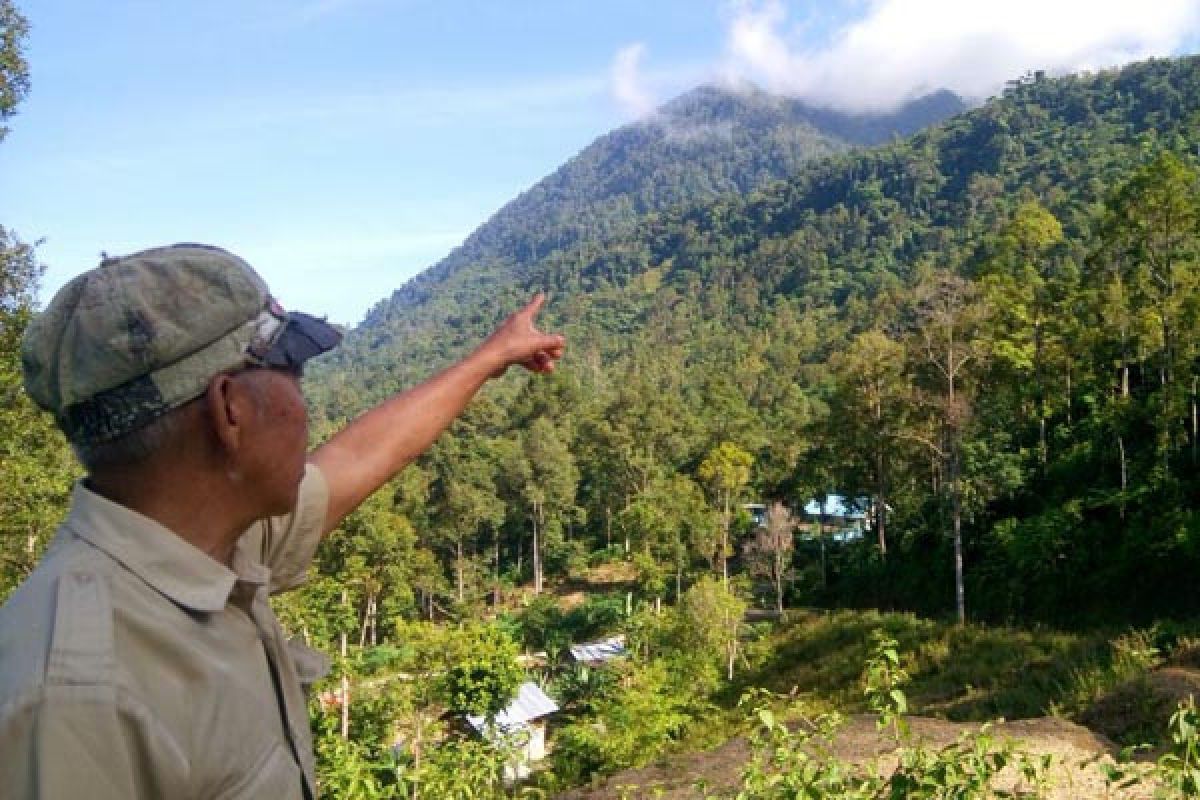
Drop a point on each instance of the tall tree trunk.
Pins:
(459, 569)
(1195, 419)
(881, 502)
(821, 537)
(780, 570)
(496, 583)
(960, 597)
(1124, 473)
(345, 729)
(374, 619)
(537, 551)
(725, 543)
(366, 622)
(418, 746)
(956, 496)
(1070, 418)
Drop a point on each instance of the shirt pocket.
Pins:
(311, 665)
(276, 775)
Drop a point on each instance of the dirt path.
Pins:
(1075, 775)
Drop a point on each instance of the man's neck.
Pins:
(204, 512)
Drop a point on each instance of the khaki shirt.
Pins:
(133, 665)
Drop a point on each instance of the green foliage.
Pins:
(483, 675)
(347, 770)
(710, 625)
(36, 466)
(988, 329)
(466, 769)
(1179, 770)
(883, 684)
(796, 761)
(14, 71)
(633, 720)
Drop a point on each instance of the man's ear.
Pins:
(230, 409)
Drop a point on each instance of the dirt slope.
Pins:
(1075, 774)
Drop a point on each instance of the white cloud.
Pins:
(893, 49)
(627, 85)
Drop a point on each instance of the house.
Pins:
(757, 512)
(591, 655)
(845, 519)
(595, 654)
(524, 723)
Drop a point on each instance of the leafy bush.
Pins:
(796, 762)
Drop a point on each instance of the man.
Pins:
(141, 658)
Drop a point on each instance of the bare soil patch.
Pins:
(1075, 773)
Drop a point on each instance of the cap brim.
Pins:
(303, 337)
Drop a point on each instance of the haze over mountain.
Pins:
(706, 143)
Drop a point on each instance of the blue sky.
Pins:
(342, 146)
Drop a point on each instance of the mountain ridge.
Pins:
(702, 144)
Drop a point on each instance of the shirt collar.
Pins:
(174, 567)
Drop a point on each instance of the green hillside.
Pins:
(808, 324)
(706, 144)
(700, 146)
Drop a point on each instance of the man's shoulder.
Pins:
(64, 604)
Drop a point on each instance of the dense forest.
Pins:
(987, 329)
(981, 329)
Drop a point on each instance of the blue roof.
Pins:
(838, 506)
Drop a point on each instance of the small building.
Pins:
(845, 519)
(595, 654)
(524, 721)
(757, 512)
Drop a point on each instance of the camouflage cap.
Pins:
(142, 334)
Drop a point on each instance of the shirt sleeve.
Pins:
(286, 544)
(81, 741)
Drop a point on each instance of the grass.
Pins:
(961, 673)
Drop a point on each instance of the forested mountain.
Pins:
(952, 323)
(700, 146)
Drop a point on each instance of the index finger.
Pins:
(535, 305)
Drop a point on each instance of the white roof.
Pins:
(529, 704)
(603, 650)
(838, 506)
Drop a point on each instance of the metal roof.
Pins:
(838, 506)
(603, 650)
(529, 704)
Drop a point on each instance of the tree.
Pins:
(1029, 289)
(465, 502)
(711, 616)
(549, 486)
(663, 522)
(770, 551)
(873, 399)
(377, 547)
(948, 316)
(36, 467)
(1150, 236)
(726, 469)
(482, 673)
(14, 71)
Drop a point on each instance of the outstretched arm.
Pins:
(374, 447)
